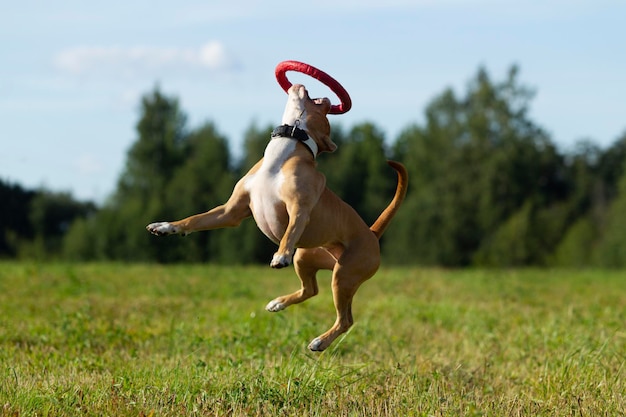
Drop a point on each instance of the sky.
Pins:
(72, 72)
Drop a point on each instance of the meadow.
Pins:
(195, 340)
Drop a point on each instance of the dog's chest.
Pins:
(264, 188)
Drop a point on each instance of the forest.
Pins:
(488, 187)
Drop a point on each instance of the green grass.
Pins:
(141, 340)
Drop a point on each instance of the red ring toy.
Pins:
(321, 76)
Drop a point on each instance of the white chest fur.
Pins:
(264, 189)
(276, 153)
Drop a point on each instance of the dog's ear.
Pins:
(329, 145)
(321, 133)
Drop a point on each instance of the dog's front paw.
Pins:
(162, 229)
(317, 345)
(275, 305)
(280, 261)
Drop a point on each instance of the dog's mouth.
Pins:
(320, 101)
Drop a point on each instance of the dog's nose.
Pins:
(301, 92)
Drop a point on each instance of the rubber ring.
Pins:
(321, 76)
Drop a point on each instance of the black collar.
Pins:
(294, 132)
(290, 132)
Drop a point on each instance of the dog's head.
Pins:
(311, 116)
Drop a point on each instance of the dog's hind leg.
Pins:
(306, 263)
(357, 264)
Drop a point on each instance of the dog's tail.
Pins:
(385, 217)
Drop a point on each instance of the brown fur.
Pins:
(326, 231)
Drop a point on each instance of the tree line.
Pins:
(488, 187)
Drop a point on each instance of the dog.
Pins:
(289, 200)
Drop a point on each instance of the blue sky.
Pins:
(72, 72)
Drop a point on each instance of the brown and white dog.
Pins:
(293, 207)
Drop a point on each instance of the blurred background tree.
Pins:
(482, 173)
(488, 187)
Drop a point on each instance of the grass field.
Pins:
(141, 340)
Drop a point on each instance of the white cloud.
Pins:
(214, 56)
(129, 61)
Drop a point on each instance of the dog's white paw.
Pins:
(316, 345)
(280, 261)
(162, 229)
(275, 306)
